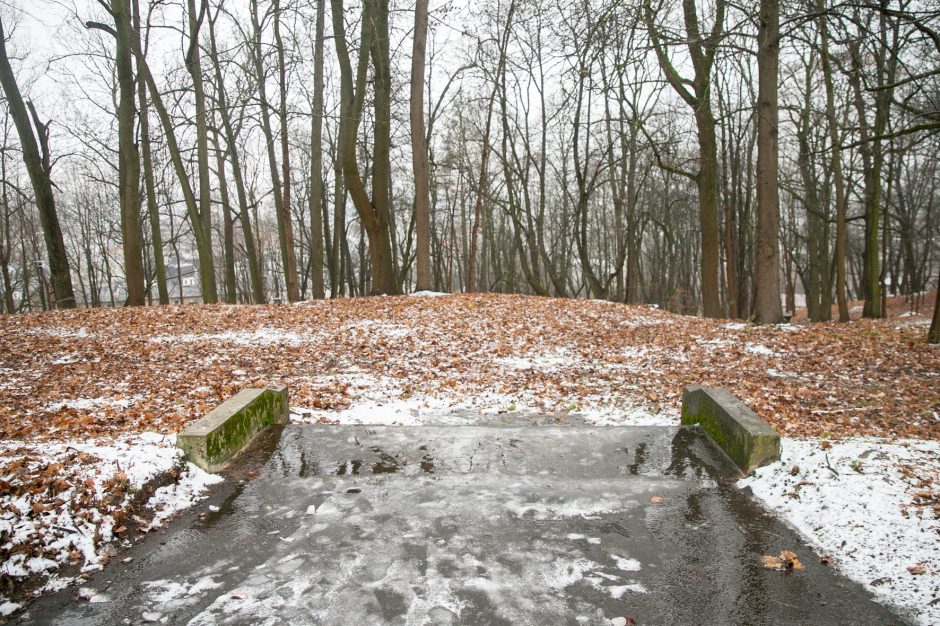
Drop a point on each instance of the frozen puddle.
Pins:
(475, 525)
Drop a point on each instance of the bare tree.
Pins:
(374, 212)
(767, 270)
(39, 166)
(419, 151)
(702, 48)
(316, 159)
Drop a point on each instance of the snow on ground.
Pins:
(61, 503)
(869, 505)
(384, 400)
(376, 400)
(90, 404)
(260, 337)
(428, 294)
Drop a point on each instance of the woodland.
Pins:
(710, 157)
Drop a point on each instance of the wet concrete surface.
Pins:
(472, 525)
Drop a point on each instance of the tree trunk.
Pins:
(316, 161)
(204, 210)
(290, 257)
(339, 226)
(156, 235)
(228, 225)
(38, 166)
(702, 48)
(203, 239)
(284, 226)
(484, 159)
(707, 183)
(419, 152)
(836, 161)
(256, 276)
(767, 271)
(128, 158)
(933, 335)
(374, 213)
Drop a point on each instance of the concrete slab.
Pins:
(474, 525)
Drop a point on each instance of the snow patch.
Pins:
(192, 486)
(62, 333)
(7, 607)
(260, 337)
(626, 415)
(855, 502)
(90, 404)
(540, 362)
(428, 294)
(760, 350)
(78, 522)
(377, 328)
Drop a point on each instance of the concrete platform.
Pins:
(473, 525)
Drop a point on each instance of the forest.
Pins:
(709, 157)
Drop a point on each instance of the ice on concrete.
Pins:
(328, 572)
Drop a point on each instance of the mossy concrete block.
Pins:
(746, 438)
(212, 441)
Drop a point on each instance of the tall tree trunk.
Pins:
(933, 335)
(316, 160)
(484, 159)
(128, 158)
(340, 243)
(38, 166)
(156, 235)
(872, 150)
(375, 213)
(203, 238)
(381, 241)
(419, 151)
(702, 48)
(707, 182)
(289, 255)
(836, 164)
(767, 272)
(480, 194)
(204, 210)
(228, 225)
(255, 273)
(6, 242)
(284, 225)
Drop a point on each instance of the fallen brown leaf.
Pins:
(785, 561)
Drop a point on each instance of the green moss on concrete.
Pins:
(745, 438)
(225, 431)
(242, 426)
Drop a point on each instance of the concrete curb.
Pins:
(225, 431)
(747, 439)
